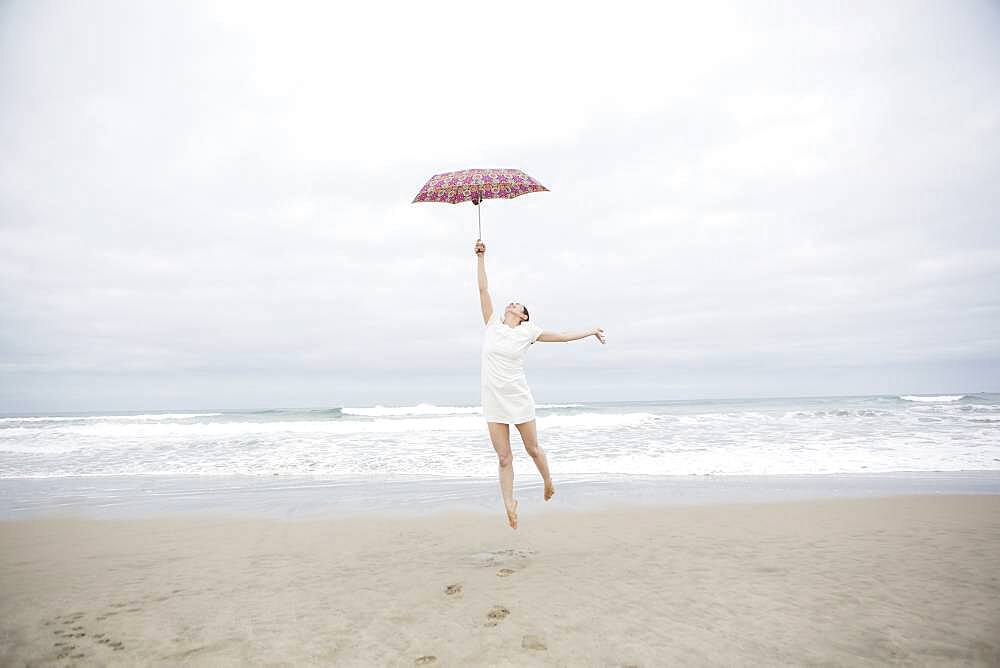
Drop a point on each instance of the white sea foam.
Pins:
(428, 409)
(104, 418)
(110, 435)
(593, 420)
(419, 409)
(826, 435)
(943, 397)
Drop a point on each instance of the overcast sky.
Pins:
(207, 205)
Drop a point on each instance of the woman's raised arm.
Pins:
(484, 289)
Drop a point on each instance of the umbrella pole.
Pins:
(479, 215)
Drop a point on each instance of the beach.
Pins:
(910, 579)
(798, 531)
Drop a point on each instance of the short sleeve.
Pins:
(533, 330)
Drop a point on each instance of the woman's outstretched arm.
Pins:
(484, 289)
(563, 337)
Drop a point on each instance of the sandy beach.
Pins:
(909, 579)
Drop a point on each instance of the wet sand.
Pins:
(907, 579)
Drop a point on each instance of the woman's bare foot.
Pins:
(512, 516)
(549, 490)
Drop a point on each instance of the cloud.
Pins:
(211, 190)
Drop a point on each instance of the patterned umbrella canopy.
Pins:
(475, 185)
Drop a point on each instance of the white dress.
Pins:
(506, 396)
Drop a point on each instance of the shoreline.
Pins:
(897, 579)
(123, 497)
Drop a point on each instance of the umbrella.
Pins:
(475, 185)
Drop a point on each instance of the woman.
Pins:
(506, 397)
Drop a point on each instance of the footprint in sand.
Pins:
(511, 556)
(496, 615)
(533, 642)
(424, 660)
(64, 654)
(453, 589)
(504, 572)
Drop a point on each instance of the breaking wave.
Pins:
(942, 397)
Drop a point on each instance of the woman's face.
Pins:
(517, 309)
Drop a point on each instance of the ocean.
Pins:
(811, 435)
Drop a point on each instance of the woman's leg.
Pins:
(529, 436)
(500, 436)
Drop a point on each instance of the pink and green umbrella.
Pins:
(475, 185)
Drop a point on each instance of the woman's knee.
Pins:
(505, 458)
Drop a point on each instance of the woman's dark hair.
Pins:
(526, 316)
